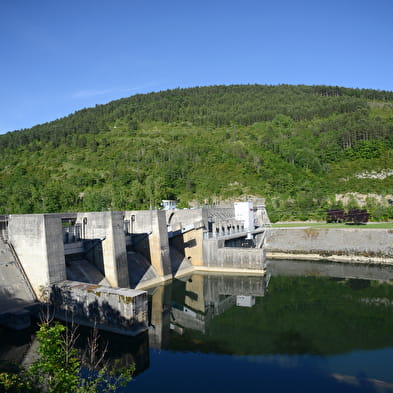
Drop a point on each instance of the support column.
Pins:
(159, 244)
(153, 224)
(109, 227)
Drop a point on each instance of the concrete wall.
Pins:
(108, 226)
(216, 256)
(204, 214)
(119, 310)
(153, 222)
(191, 242)
(187, 216)
(38, 242)
(348, 243)
(211, 253)
(193, 246)
(221, 213)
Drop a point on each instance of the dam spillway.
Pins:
(130, 250)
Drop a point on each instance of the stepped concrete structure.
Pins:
(86, 262)
(80, 256)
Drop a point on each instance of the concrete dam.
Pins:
(94, 268)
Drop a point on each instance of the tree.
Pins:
(58, 367)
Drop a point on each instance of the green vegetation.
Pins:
(298, 146)
(58, 368)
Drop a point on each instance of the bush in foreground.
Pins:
(58, 368)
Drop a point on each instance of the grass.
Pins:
(370, 225)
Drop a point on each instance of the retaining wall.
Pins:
(186, 216)
(217, 257)
(341, 244)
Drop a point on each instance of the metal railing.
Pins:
(72, 233)
(223, 234)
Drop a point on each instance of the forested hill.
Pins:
(214, 106)
(296, 145)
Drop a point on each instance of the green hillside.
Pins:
(297, 146)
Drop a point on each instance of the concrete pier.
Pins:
(109, 228)
(153, 224)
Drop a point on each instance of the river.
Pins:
(304, 327)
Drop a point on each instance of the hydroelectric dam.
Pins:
(94, 268)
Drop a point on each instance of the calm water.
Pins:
(304, 327)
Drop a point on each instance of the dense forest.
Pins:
(297, 146)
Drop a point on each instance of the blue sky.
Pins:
(61, 56)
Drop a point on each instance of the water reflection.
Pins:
(305, 313)
(304, 326)
(330, 269)
(194, 301)
(324, 326)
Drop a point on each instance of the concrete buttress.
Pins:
(159, 244)
(109, 227)
(153, 223)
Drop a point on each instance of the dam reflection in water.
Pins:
(305, 326)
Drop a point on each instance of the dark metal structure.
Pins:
(354, 216)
